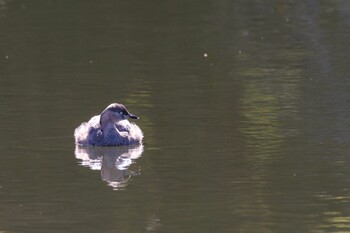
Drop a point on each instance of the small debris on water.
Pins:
(205, 55)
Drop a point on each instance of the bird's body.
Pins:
(111, 128)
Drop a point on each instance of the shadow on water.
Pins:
(113, 162)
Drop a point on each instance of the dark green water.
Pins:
(244, 107)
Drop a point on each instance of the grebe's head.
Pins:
(114, 113)
(120, 111)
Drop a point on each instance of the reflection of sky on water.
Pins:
(113, 162)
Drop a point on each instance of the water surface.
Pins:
(244, 107)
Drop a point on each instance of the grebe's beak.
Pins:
(133, 116)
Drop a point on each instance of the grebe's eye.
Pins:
(121, 113)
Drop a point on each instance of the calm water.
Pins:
(244, 106)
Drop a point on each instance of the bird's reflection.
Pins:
(113, 162)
